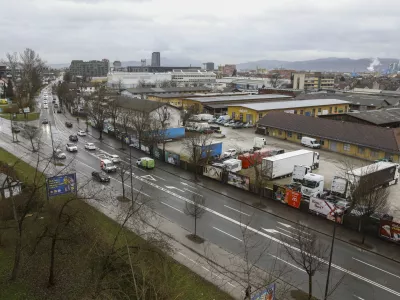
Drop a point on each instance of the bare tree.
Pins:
(275, 79)
(114, 111)
(198, 149)
(306, 251)
(195, 209)
(161, 123)
(141, 83)
(140, 120)
(188, 112)
(32, 133)
(123, 174)
(98, 110)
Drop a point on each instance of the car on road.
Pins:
(16, 129)
(81, 133)
(59, 154)
(55, 104)
(90, 146)
(45, 106)
(115, 158)
(68, 124)
(101, 177)
(71, 147)
(45, 121)
(59, 111)
(73, 138)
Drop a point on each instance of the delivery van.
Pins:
(310, 142)
(145, 162)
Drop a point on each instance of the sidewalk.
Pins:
(323, 226)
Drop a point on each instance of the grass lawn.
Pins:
(21, 117)
(73, 273)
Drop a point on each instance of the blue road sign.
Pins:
(60, 185)
(267, 293)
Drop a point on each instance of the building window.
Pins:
(301, 111)
(260, 116)
(289, 134)
(374, 153)
(330, 110)
(361, 150)
(319, 109)
(295, 111)
(313, 112)
(241, 117)
(233, 115)
(346, 147)
(335, 109)
(299, 136)
(280, 132)
(322, 142)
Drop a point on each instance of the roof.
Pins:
(378, 117)
(242, 98)
(290, 104)
(180, 95)
(378, 166)
(375, 137)
(138, 104)
(166, 90)
(288, 154)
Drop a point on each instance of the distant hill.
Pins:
(323, 64)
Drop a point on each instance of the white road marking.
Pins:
(193, 192)
(172, 207)
(359, 298)
(269, 230)
(184, 183)
(290, 226)
(231, 284)
(195, 262)
(149, 177)
(232, 236)
(372, 266)
(174, 188)
(291, 233)
(286, 262)
(237, 210)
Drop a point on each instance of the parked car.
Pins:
(68, 124)
(59, 111)
(100, 176)
(248, 125)
(229, 123)
(229, 153)
(90, 146)
(16, 129)
(45, 121)
(71, 147)
(237, 126)
(59, 154)
(55, 104)
(81, 133)
(73, 138)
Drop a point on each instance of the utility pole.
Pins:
(330, 257)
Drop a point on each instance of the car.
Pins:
(229, 153)
(248, 125)
(59, 154)
(71, 147)
(16, 129)
(101, 177)
(73, 138)
(45, 106)
(68, 124)
(81, 133)
(45, 121)
(90, 146)
(237, 126)
(115, 158)
(55, 104)
(229, 123)
(59, 111)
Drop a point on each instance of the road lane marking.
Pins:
(372, 266)
(359, 298)
(193, 192)
(286, 262)
(237, 210)
(172, 207)
(174, 188)
(232, 236)
(195, 262)
(296, 234)
(184, 183)
(149, 177)
(290, 226)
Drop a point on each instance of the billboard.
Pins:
(60, 185)
(213, 172)
(240, 181)
(172, 158)
(390, 230)
(326, 208)
(292, 198)
(267, 293)
(279, 192)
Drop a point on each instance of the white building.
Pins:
(193, 78)
(131, 79)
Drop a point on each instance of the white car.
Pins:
(229, 153)
(59, 154)
(81, 133)
(90, 146)
(71, 147)
(45, 106)
(115, 158)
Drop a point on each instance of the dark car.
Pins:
(45, 121)
(73, 138)
(16, 129)
(59, 111)
(55, 105)
(68, 124)
(237, 126)
(101, 177)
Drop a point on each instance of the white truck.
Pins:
(312, 185)
(259, 143)
(282, 165)
(107, 166)
(299, 171)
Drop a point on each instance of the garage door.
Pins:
(249, 118)
(332, 146)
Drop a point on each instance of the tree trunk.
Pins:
(309, 287)
(101, 134)
(363, 233)
(51, 267)
(163, 151)
(17, 258)
(123, 186)
(195, 226)
(33, 146)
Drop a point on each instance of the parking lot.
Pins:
(331, 163)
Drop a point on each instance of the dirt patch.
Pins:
(195, 238)
(123, 199)
(300, 295)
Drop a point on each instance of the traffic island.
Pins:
(123, 199)
(195, 238)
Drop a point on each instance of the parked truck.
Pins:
(312, 185)
(299, 171)
(212, 150)
(376, 175)
(259, 143)
(282, 165)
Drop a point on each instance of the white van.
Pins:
(310, 142)
(233, 165)
(107, 166)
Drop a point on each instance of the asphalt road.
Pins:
(366, 276)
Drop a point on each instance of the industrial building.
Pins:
(92, 68)
(358, 140)
(256, 111)
(313, 81)
(152, 69)
(144, 93)
(156, 59)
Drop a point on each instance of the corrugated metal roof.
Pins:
(290, 104)
(167, 90)
(243, 98)
(375, 137)
(378, 117)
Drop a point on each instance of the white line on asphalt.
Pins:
(276, 231)
(231, 284)
(290, 226)
(206, 269)
(172, 207)
(174, 188)
(290, 264)
(228, 234)
(193, 192)
(184, 183)
(293, 233)
(372, 266)
(195, 262)
(237, 210)
(359, 298)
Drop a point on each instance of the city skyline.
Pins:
(62, 30)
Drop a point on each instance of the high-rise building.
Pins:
(313, 81)
(209, 66)
(155, 59)
(92, 68)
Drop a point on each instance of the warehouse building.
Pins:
(251, 112)
(358, 140)
(144, 92)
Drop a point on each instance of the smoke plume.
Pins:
(374, 63)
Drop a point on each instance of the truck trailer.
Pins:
(283, 164)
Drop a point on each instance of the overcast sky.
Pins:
(208, 30)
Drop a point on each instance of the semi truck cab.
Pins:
(312, 185)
